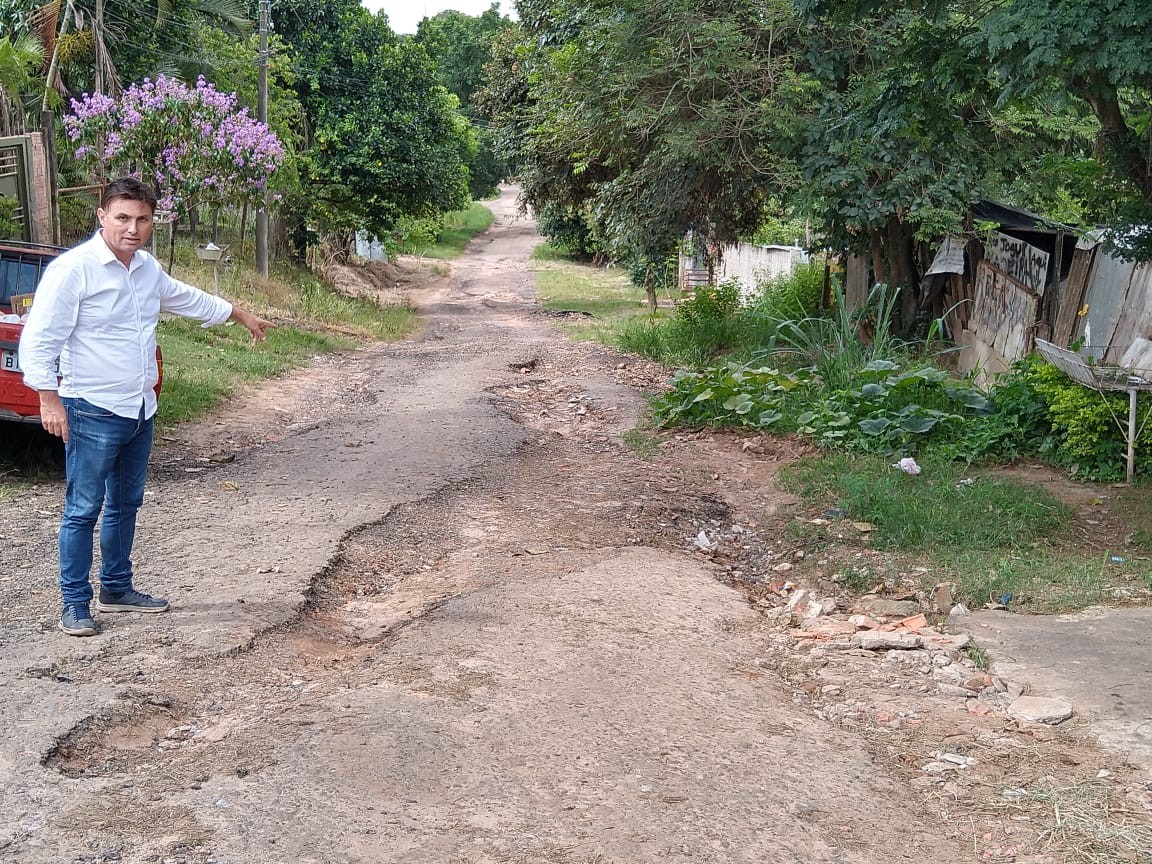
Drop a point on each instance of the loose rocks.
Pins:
(1039, 709)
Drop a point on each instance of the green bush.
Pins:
(709, 323)
(792, 295)
(9, 227)
(413, 235)
(728, 395)
(892, 411)
(1072, 426)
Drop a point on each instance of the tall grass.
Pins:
(838, 346)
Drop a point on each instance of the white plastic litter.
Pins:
(908, 466)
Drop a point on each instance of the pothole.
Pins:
(110, 741)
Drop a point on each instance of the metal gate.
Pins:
(14, 183)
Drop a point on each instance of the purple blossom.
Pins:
(192, 143)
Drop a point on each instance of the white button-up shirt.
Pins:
(99, 317)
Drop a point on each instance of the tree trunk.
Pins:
(879, 271)
(902, 267)
(172, 246)
(650, 290)
(243, 226)
(1104, 101)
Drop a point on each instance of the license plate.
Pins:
(10, 361)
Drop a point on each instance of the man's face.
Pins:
(127, 226)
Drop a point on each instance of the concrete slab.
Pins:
(1099, 659)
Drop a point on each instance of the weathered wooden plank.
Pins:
(1004, 317)
(1072, 298)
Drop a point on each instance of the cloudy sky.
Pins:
(404, 15)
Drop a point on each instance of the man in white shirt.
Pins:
(96, 309)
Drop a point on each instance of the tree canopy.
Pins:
(632, 123)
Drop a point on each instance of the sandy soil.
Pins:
(430, 607)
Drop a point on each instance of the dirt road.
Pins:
(428, 607)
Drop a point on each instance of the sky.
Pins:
(404, 15)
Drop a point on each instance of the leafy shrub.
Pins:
(889, 412)
(414, 235)
(728, 395)
(791, 295)
(705, 325)
(9, 227)
(710, 304)
(840, 345)
(895, 412)
(568, 231)
(1066, 423)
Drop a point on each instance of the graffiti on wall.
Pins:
(1018, 260)
(1004, 313)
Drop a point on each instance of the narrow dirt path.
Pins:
(430, 608)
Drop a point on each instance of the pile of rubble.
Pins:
(939, 659)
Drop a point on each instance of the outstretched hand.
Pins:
(255, 325)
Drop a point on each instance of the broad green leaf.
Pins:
(876, 426)
(969, 399)
(918, 425)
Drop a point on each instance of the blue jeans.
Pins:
(106, 460)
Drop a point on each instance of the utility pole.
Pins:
(98, 47)
(262, 116)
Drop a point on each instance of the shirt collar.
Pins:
(106, 256)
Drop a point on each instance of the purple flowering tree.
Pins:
(191, 143)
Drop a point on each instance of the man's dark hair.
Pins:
(128, 189)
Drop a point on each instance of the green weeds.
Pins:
(932, 511)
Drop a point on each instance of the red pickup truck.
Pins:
(21, 265)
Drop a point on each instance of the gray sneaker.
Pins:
(129, 601)
(76, 620)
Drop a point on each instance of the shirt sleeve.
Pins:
(51, 320)
(188, 301)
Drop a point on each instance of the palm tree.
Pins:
(21, 57)
(84, 37)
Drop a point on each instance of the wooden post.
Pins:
(48, 127)
(1132, 434)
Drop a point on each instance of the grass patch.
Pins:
(1080, 823)
(997, 540)
(933, 510)
(645, 439)
(357, 316)
(605, 299)
(1037, 578)
(978, 656)
(547, 252)
(455, 234)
